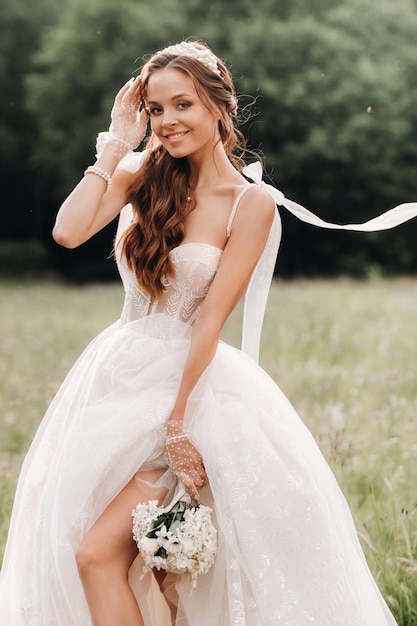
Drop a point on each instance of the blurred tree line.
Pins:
(335, 115)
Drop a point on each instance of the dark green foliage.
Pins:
(21, 32)
(335, 116)
(27, 258)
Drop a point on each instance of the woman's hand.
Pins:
(128, 124)
(184, 459)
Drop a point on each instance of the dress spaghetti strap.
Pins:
(233, 211)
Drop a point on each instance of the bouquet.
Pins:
(181, 539)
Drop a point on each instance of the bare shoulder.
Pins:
(256, 209)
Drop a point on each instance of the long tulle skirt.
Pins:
(288, 552)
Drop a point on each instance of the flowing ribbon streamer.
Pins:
(258, 288)
(394, 217)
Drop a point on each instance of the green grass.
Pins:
(344, 352)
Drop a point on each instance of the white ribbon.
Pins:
(398, 215)
(258, 288)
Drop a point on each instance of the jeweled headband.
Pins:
(188, 49)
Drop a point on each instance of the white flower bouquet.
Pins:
(181, 539)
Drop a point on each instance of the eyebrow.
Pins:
(176, 97)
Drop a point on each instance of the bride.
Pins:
(156, 398)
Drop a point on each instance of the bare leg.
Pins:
(106, 554)
(170, 594)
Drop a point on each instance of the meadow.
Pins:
(343, 351)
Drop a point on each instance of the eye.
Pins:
(184, 105)
(153, 111)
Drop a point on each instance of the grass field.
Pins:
(344, 352)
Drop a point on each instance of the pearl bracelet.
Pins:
(175, 438)
(174, 432)
(93, 169)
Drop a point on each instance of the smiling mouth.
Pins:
(174, 136)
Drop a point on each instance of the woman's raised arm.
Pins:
(102, 192)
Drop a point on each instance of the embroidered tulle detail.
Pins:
(195, 266)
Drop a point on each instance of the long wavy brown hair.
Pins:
(159, 194)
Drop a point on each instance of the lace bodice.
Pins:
(195, 266)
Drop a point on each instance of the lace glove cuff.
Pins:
(122, 147)
(184, 459)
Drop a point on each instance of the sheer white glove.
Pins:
(184, 459)
(128, 124)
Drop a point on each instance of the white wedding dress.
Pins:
(288, 553)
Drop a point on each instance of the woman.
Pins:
(157, 398)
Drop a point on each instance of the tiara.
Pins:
(188, 49)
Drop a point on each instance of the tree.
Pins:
(21, 32)
(336, 121)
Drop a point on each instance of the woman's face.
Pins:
(182, 123)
